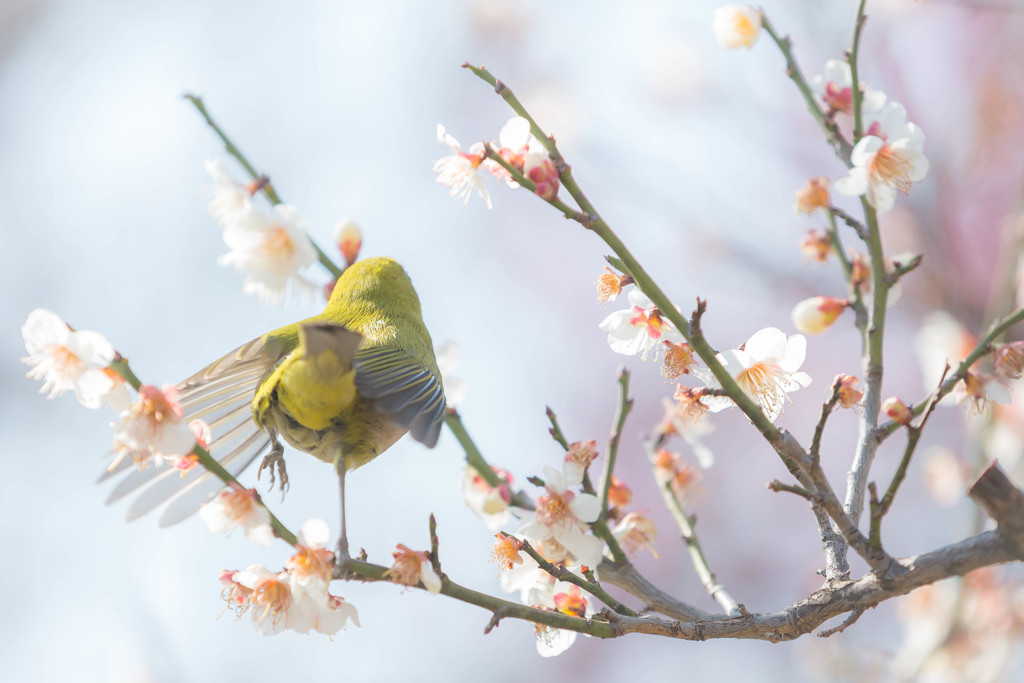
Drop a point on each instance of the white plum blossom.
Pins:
(412, 567)
(277, 606)
(270, 249)
(562, 516)
(538, 588)
(834, 88)
(312, 565)
(238, 507)
(766, 368)
(151, 429)
(227, 198)
(635, 532)
(490, 503)
(638, 329)
(67, 360)
(449, 357)
(889, 158)
(460, 171)
(737, 26)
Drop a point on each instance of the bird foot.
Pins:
(275, 460)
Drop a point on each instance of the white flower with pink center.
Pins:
(490, 503)
(834, 88)
(563, 515)
(68, 361)
(412, 567)
(311, 567)
(887, 160)
(515, 144)
(277, 607)
(460, 171)
(270, 249)
(151, 430)
(638, 329)
(766, 368)
(237, 507)
(270, 597)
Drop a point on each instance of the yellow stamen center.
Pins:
(892, 168)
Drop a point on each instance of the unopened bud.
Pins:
(815, 315)
(349, 239)
(540, 169)
(897, 410)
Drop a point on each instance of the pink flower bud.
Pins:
(349, 239)
(897, 410)
(815, 315)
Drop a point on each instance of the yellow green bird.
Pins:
(342, 386)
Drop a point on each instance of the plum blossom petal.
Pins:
(67, 360)
(270, 250)
(490, 503)
(888, 159)
(737, 26)
(459, 171)
(236, 507)
(638, 329)
(766, 368)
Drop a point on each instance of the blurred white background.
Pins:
(692, 154)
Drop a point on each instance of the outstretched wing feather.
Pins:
(221, 395)
(403, 388)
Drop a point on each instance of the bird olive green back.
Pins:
(395, 369)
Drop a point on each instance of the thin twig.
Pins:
(687, 528)
(556, 431)
(983, 348)
(826, 409)
(476, 460)
(881, 507)
(563, 574)
(778, 486)
(858, 96)
(858, 227)
(625, 405)
(828, 125)
(849, 621)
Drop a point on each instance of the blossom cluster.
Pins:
(149, 431)
(463, 172)
(295, 599)
(269, 248)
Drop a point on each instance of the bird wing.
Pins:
(404, 389)
(221, 395)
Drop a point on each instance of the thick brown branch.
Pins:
(1003, 501)
(833, 600)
